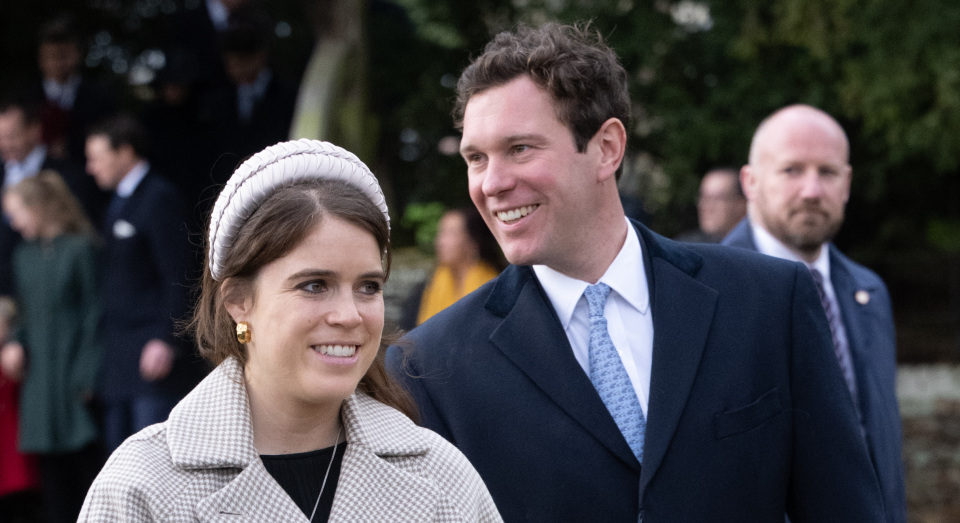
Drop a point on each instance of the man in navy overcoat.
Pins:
(610, 374)
(143, 285)
(798, 183)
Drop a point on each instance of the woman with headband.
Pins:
(298, 422)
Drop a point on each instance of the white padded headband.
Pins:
(272, 169)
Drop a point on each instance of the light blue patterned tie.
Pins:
(610, 377)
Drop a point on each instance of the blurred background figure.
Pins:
(720, 206)
(145, 259)
(72, 103)
(467, 257)
(798, 184)
(196, 29)
(178, 147)
(24, 155)
(19, 480)
(254, 108)
(55, 351)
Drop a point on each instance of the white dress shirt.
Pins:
(627, 305)
(62, 94)
(769, 245)
(132, 179)
(249, 94)
(219, 15)
(15, 172)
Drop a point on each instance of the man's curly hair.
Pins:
(571, 62)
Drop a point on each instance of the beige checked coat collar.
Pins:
(211, 428)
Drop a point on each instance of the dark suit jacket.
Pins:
(870, 333)
(145, 260)
(81, 185)
(743, 422)
(193, 31)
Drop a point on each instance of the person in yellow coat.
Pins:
(467, 257)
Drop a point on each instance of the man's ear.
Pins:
(849, 177)
(748, 181)
(126, 150)
(239, 304)
(612, 141)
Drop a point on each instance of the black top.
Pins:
(301, 475)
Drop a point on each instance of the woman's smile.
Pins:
(337, 350)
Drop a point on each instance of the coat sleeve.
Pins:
(89, 352)
(113, 503)
(170, 249)
(831, 477)
(403, 367)
(466, 498)
(115, 495)
(138, 484)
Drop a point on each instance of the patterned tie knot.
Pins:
(817, 277)
(596, 298)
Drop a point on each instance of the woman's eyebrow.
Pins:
(373, 275)
(313, 273)
(322, 273)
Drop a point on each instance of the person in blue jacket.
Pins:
(797, 184)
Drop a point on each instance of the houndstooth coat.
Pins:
(201, 465)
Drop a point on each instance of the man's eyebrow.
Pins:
(507, 140)
(528, 137)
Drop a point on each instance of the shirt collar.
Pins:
(218, 14)
(132, 179)
(31, 164)
(259, 86)
(626, 275)
(771, 246)
(63, 94)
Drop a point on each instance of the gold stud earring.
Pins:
(243, 332)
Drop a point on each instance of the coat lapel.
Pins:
(846, 287)
(210, 429)
(532, 337)
(252, 496)
(372, 489)
(683, 312)
(378, 480)
(741, 236)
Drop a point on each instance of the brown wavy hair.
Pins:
(570, 62)
(272, 231)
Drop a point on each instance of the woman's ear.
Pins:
(238, 301)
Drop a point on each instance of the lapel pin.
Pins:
(862, 297)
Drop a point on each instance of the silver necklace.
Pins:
(329, 465)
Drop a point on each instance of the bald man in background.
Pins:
(797, 185)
